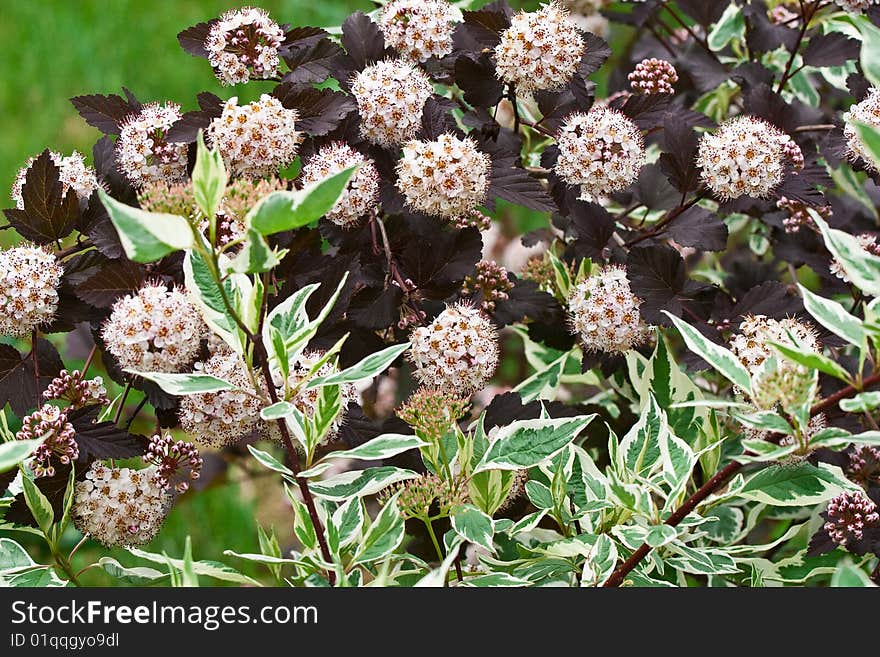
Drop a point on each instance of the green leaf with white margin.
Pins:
(802, 484)
(543, 383)
(147, 236)
(717, 356)
(764, 421)
(349, 520)
(206, 568)
(473, 526)
(282, 211)
(360, 483)
(13, 557)
(848, 575)
(600, 562)
(16, 451)
(731, 26)
(526, 443)
(207, 298)
(384, 535)
(437, 577)
(39, 577)
(277, 411)
(489, 489)
(862, 268)
(208, 178)
(185, 384)
(860, 403)
(494, 580)
(660, 535)
(678, 462)
(364, 369)
(811, 360)
(137, 576)
(269, 461)
(255, 255)
(835, 318)
(870, 51)
(382, 447)
(640, 448)
(39, 505)
(701, 561)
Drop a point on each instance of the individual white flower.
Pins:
(244, 43)
(390, 96)
(143, 153)
(457, 351)
(72, 172)
(154, 330)
(362, 192)
(223, 417)
(419, 29)
(29, 279)
(306, 400)
(447, 177)
(605, 312)
(868, 242)
(745, 156)
(541, 50)
(653, 76)
(856, 6)
(867, 111)
(256, 139)
(602, 151)
(120, 507)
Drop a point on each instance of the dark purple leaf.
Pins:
(312, 62)
(593, 226)
(301, 36)
(699, 228)
(658, 276)
(437, 118)
(596, 51)
(362, 40)
(438, 262)
(705, 13)
(771, 298)
(110, 282)
(102, 112)
(525, 302)
(18, 384)
(376, 308)
(678, 161)
(192, 39)
(764, 36)
(647, 111)
(117, 185)
(555, 106)
(476, 78)
(832, 49)
(320, 110)
(103, 440)
(482, 28)
(52, 487)
(705, 71)
(47, 215)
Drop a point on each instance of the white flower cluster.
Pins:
(29, 278)
(457, 351)
(154, 330)
(224, 417)
(602, 151)
(143, 153)
(390, 96)
(745, 156)
(867, 111)
(856, 6)
(256, 139)
(605, 312)
(868, 242)
(72, 172)
(306, 401)
(244, 40)
(419, 29)
(541, 50)
(447, 177)
(362, 192)
(120, 507)
(752, 344)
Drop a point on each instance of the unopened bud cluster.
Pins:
(426, 496)
(431, 412)
(653, 76)
(169, 457)
(76, 391)
(59, 439)
(491, 280)
(849, 515)
(798, 214)
(864, 466)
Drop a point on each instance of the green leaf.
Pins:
(731, 26)
(13, 557)
(792, 485)
(862, 268)
(281, 211)
(206, 568)
(489, 489)
(473, 526)
(349, 520)
(640, 447)
(848, 575)
(701, 561)
(39, 505)
(255, 255)
(494, 580)
(40, 577)
(138, 576)
(384, 535)
(526, 443)
(382, 447)
(764, 421)
(870, 52)
(208, 299)
(208, 179)
(811, 359)
(835, 318)
(659, 535)
(360, 483)
(185, 384)
(543, 380)
(189, 578)
(147, 236)
(717, 356)
(539, 494)
(601, 561)
(16, 451)
(364, 369)
(269, 461)
(277, 411)
(860, 403)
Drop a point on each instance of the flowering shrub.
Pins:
(497, 306)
